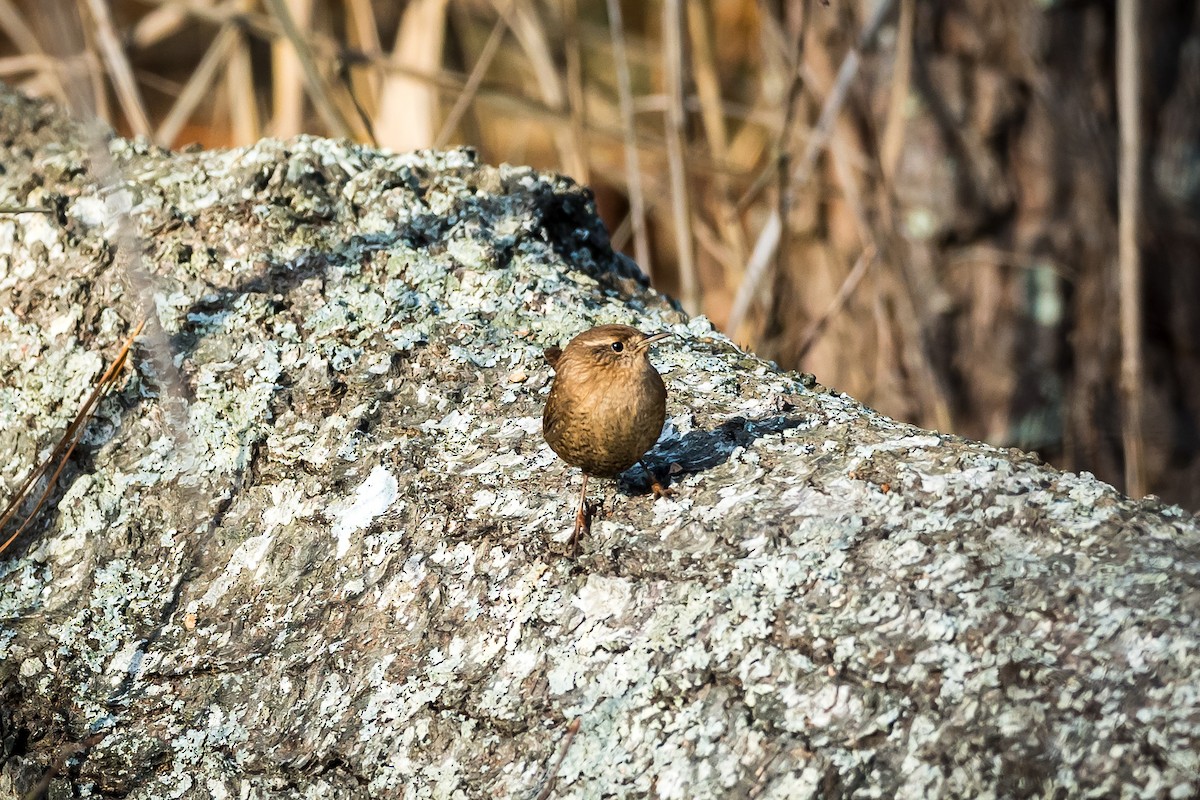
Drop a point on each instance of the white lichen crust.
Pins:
(343, 571)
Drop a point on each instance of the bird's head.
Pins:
(607, 346)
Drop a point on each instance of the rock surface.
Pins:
(340, 570)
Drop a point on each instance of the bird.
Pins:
(606, 407)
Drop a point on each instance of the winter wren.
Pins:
(606, 407)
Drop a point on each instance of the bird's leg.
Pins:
(659, 489)
(583, 518)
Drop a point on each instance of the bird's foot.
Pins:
(659, 488)
(583, 526)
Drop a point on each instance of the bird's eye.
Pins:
(617, 347)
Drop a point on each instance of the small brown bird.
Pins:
(606, 407)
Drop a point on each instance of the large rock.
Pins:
(336, 565)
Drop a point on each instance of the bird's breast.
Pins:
(603, 423)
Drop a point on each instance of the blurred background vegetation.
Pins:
(922, 203)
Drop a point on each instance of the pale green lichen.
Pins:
(832, 603)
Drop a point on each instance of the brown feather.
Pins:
(606, 406)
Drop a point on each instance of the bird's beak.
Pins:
(654, 338)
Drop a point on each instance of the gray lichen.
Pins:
(344, 572)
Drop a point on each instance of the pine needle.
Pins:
(66, 445)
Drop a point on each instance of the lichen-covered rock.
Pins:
(339, 568)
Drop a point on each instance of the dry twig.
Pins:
(118, 67)
(66, 445)
(706, 76)
(892, 141)
(813, 332)
(198, 86)
(246, 127)
(406, 105)
(313, 79)
(681, 210)
(633, 170)
(770, 236)
(467, 96)
(552, 770)
(64, 754)
(1129, 258)
(578, 167)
